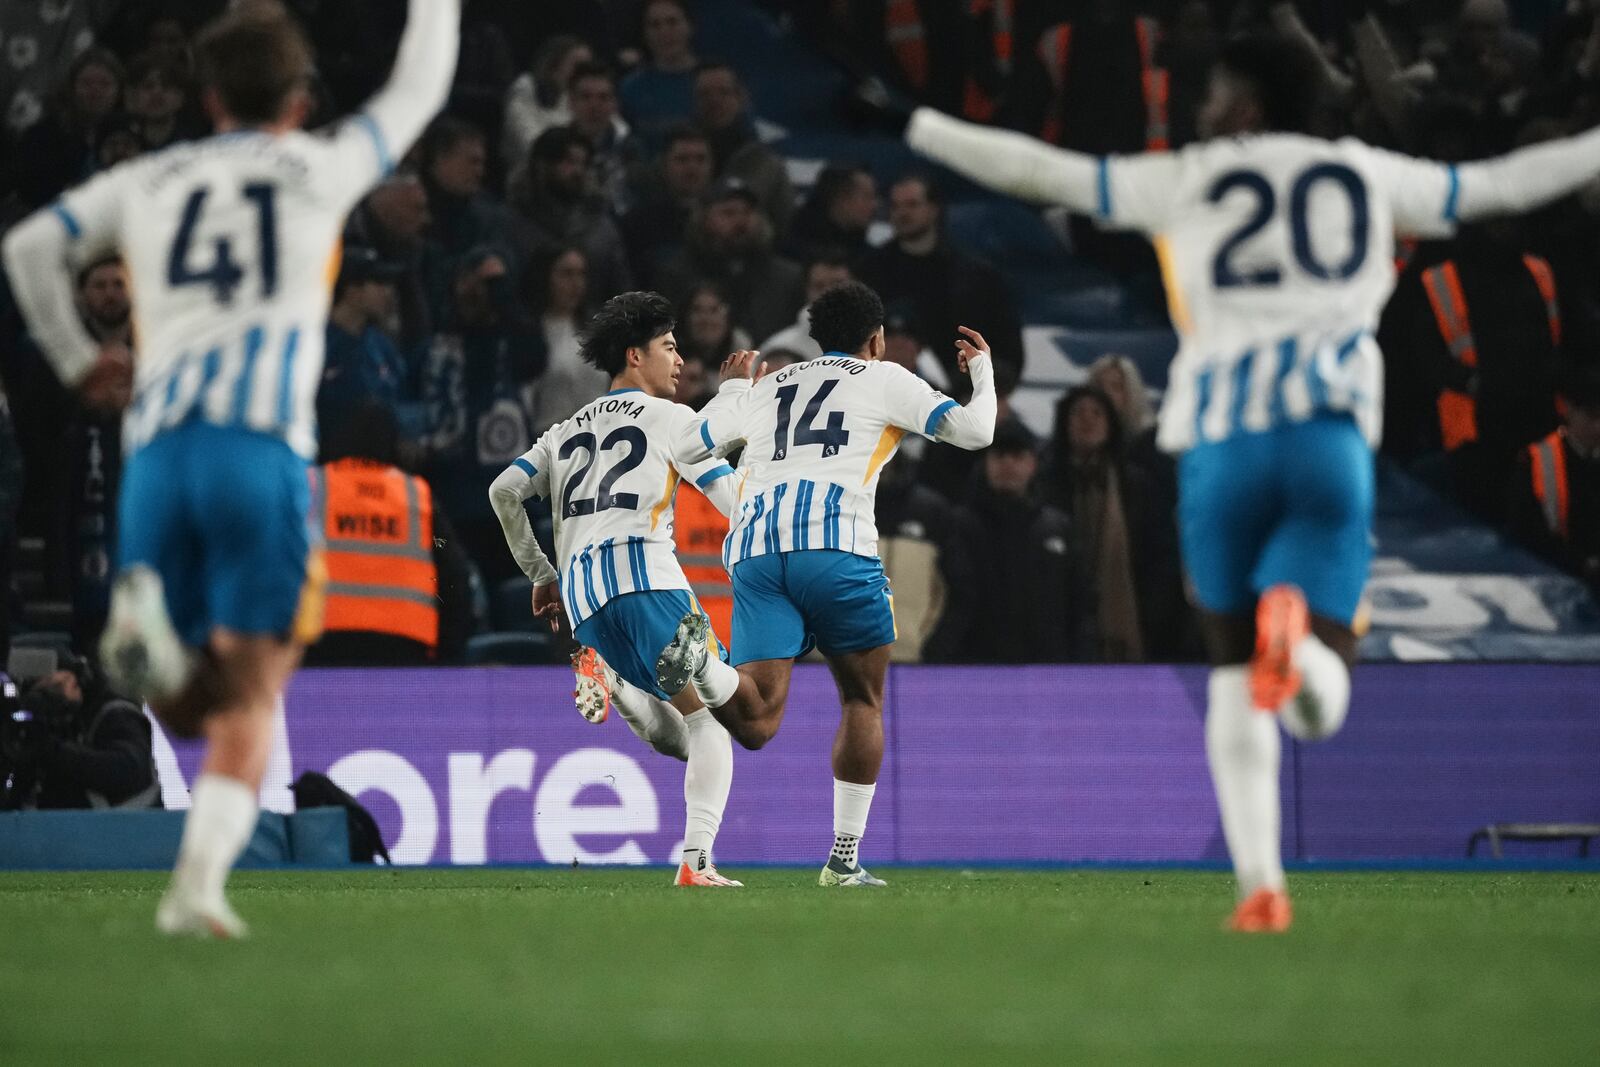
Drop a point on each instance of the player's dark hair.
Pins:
(628, 320)
(253, 57)
(1285, 76)
(844, 318)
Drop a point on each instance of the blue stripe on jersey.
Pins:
(1202, 386)
(1315, 383)
(608, 567)
(830, 516)
(572, 586)
(524, 466)
(68, 220)
(1103, 201)
(286, 377)
(802, 513)
(588, 580)
(772, 541)
(1241, 391)
(1288, 350)
(937, 414)
(1452, 200)
(241, 389)
(380, 144)
(641, 568)
(705, 435)
(749, 541)
(720, 471)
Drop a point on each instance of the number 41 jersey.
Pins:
(1278, 256)
(610, 475)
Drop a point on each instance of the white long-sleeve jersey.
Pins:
(816, 436)
(232, 247)
(611, 472)
(1277, 251)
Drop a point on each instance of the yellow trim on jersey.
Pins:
(308, 614)
(1176, 305)
(335, 264)
(666, 498)
(880, 455)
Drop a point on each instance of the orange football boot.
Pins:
(593, 694)
(1266, 911)
(1282, 622)
(707, 877)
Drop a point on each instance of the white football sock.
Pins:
(716, 683)
(652, 719)
(219, 825)
(1318, 710)
(1243, 746)
(851, 803)
(705, 785)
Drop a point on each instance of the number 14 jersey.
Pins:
(816, 435)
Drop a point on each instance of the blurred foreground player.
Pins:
(231, 244)
(1278, 254)
(803, 549)
(611, 473)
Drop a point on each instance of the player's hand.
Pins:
(547, 604)
(743, 364)
(967, 351)
(108, 387)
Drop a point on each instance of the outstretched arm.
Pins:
(912, 404)
(1528, 178)
(1007, 162)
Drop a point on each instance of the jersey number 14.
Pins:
(832, 437)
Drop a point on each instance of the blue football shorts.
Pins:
(785, 600)
(632, 630)
(1292, 504)
(221, 515)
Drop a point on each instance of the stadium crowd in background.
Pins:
(592, 146)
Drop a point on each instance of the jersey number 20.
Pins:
(224, 275)
(1223, 272)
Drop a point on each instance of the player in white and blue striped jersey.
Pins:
(1277, 250)
(611, 472)
(231, 245)
(803, 548)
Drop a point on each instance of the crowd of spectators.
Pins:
(590, 147)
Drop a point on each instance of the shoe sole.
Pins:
(677, 663)
(590, 691)
(1282, 622)
(141, 650)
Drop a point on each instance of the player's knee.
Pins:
(1310, 717)
(753, 734)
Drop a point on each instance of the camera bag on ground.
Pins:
(316, 790)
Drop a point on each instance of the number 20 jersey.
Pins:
(817, 435)
(232, 246)
(1278, 256)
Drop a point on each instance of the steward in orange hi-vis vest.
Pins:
(699, 530)
(377, 522)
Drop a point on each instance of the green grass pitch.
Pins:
(614, 966)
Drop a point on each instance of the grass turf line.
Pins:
(525, 966)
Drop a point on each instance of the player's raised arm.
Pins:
(373, 140)
(719, 428)
(1131, 191)
(912, 404)
(527, 477)
(41, 255)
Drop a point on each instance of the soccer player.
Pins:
(803, 549)
(610, 473)
(1277, 250)
(231, 244)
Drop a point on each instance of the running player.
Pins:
(231, 245)
(1277, 251)
(610, 474)
(803, 549)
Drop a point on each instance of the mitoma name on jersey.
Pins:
(617, 406)
(844, 363)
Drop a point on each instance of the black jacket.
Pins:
(1020, 549)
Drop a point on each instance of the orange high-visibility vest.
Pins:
(698, 530)
(1458, 408)
(377, 524)
(1055, 49)
(908, 40)
(1550, 481)
(977, 104)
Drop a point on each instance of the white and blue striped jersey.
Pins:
(232, 247)
(610, 473)
(1278, 256)
(816, 435)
